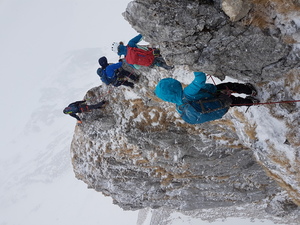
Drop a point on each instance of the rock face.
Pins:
(200, 34)
(151, 159)
(138, 151)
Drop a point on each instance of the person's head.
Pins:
(103, 62)
(119, 48)
(169, 90)
(67, 110)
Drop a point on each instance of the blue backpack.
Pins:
(102, 74)
(204, 110)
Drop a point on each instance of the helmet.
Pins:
(67, 110)
(114, 47)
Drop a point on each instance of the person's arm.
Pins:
(133, 42)
(110, 70)
(193, 90)
(75, 116)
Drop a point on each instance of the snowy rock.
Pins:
(137, 149)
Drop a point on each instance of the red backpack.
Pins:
(139, 56)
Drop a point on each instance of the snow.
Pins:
(130, 95)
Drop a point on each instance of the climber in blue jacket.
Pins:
(201, 102)
(115, 74)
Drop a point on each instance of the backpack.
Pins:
(205, 109)
(102, 74)
(139, 56)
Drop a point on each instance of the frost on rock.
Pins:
(137, 149)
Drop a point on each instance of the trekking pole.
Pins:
(266, 103)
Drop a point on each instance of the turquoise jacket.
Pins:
(171, 90)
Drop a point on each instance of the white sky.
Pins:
(35, 36)
(36, 33)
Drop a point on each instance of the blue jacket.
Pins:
(170, 90)
(110, 70)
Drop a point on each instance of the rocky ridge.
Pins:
(138, 151)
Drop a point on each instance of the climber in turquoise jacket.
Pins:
(201, 102)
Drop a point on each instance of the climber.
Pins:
(80, 107)
(200, 102)
(114, 73)
(137, 55)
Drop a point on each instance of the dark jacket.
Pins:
(76, 107)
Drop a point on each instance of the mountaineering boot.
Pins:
(254, 100)
(168, 67)
(134, 77)
(128, 84)
(131, 85)
(254, 91)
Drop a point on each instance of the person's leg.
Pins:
(160, 62)
(129, 75)
(238, 88)
(128, 84)
(97, 106)
(238, 101)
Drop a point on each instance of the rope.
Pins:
(210, 77)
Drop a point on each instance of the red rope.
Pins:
(210, 77)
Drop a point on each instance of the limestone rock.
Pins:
(138, 150)
(236, 9)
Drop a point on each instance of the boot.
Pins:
(134, 77)
(254, 91)
(254, 100)
(128, 84)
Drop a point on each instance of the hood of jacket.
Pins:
(169, 90)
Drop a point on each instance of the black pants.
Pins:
(160, 62)
(96, 106)
(237, 88)
(121, 80)
(124, 73)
